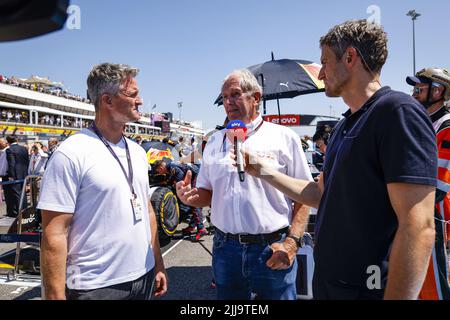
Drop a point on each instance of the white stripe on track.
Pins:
(19, 283)
(172, 247)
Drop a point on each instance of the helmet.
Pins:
(438, 75)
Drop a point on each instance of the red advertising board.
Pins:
(286, 119)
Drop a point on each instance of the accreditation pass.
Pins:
(137, 208)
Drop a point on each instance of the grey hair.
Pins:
(107, 78)
(247, 82)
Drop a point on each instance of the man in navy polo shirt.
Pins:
(376, 196)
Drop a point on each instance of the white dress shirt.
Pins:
(252, 206)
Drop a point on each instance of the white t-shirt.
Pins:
(252, 206)
(106, 246)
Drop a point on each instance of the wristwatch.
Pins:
(298, 240)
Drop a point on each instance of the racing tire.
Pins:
(167, 212)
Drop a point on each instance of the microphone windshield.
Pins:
(236, 129)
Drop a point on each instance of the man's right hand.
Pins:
(253, 164)
(185, 192)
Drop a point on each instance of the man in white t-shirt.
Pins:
(258, 229)
(100, 237)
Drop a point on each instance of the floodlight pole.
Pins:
(180, 105)
(414, 15)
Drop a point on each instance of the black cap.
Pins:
(415, 80)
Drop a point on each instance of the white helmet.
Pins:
(430, 75)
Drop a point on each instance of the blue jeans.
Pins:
(240, 269)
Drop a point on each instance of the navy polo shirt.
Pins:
(390, 139)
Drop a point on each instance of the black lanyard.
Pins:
(130, 167)
(223, 148)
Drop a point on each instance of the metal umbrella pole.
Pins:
(264, 100)
(278, 97)
(279, 112)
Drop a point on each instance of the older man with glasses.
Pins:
(258, 229)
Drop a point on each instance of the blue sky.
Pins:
(184, 48)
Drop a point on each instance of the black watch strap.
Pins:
(298, 240)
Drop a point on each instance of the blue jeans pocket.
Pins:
(266, 254)
(218, 241)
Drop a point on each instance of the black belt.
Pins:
(246, 238)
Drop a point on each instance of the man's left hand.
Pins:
(283, 255)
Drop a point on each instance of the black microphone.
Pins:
(237, 133)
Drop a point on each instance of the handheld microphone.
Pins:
(237, 133)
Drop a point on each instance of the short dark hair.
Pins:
(11, 139)
(321, 135)
(157, 163)
(369, 39)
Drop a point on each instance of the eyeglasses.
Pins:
(235, 96)
(418, 90)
